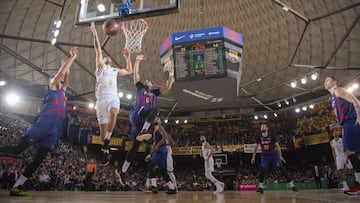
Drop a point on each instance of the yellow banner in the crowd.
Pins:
(195, 150)
(142, 147)
(116, 142)
(233, 148)
(317, 139)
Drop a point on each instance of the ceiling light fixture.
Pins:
(303, 80)
(311, 106)
(101, 8)
(314, 76)
(293, 84)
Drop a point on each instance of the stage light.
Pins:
(275, 114)
(297, 110)
(256, 117)
(91, 105)
(286, 102)
(293, 84)
(53, 41)
(279, 104)
(285, 8)
(185, 121)
(265, 116)
(355, 86)
(350, 89)
(166, 121)
(120, 94)
(2, 82)
(314, 76)
(101, 8)
(128, 96)
(177, 121)
(303, 80)
(311, 106)
(304, 108)
(12, 99)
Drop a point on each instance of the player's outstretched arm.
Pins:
(128, 70)
(169, 82)
(136, 75)
(97, 46)
(55, 82)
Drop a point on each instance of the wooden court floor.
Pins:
(185, 196)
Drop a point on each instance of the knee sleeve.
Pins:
(130, 157)
(355, 162)
(261, 174)
(39, 157)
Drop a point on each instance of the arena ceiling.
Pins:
(280, 46)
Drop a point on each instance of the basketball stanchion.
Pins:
(134, 31)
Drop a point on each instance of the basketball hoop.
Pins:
(134, 31)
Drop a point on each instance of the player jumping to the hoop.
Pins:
(143, 113)
(106, 92)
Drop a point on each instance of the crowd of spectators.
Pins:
(65, 168)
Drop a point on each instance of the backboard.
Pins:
(101, 10)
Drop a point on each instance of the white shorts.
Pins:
(340, 162)
(209, 165)
(169, 160)
(103, 106)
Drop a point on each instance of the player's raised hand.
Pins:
(93, 29)
(73, 52)
(126, 53)
(140, 57)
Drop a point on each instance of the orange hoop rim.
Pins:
(136, 32)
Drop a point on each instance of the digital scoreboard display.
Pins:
(200, 60)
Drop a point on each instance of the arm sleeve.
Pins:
(273, 138)
(157, 92)
(258, 139)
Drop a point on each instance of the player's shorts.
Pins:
(45, 132)
(159, 157)
(136, 122)
(341, 162)
(169, 159)
(351, 137)
(103, 106)
(270, 160)
(209, 165)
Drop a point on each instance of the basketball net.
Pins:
(134, 31)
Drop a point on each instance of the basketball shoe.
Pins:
(105, 148)
(355, 190)
(18, 192)
(143, 135)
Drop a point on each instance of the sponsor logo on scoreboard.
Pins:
(179, 37)
(214, 33)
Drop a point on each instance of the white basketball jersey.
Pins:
(106, 82)
(338, 146)
(205, 151)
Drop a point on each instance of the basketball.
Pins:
(111, 27)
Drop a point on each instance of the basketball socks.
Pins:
(20, 181)
(146, 126)
(153, 182)
(261, 185)
(125, 166)
(108, 135)
(172, 177)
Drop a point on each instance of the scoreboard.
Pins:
(201, 59)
